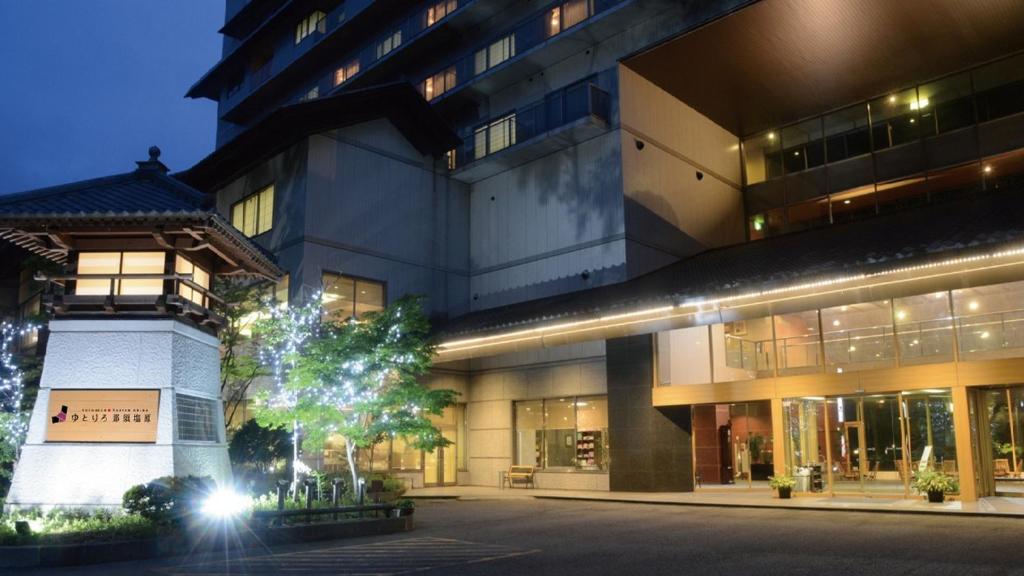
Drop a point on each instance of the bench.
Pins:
(520, 475)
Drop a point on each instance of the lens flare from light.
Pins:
(225, 503)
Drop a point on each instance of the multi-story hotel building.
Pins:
(666, 245)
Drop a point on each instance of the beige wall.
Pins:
(490, 394)
(678, 142)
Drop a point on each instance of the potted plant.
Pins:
(405, 507)
(935, 484)
(784, 484)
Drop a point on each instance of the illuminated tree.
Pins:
(14, 415)
(359, 379)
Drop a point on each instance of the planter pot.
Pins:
(785, 493)
(401, 512)
(937, 496)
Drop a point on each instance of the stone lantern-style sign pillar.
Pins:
(130, 389)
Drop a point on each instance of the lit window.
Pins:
(494, 54)
(312, 94)
(343, 74)
(404, 456)
(566, 16)
(114, 264)
(315, 22)
(347, 297)
(200, 277)
(439, 83)
(197, 419)
(562, 433)
(451, 159)
(440, 10)
(495, 136)
(389, 43)
(254, 214)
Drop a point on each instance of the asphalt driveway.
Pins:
(541, 537)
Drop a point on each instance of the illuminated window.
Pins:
(439, 83)
(112, 264)
(311, 94)
(197, 419)
(315, 22)
(254, 214)
(389, 43)
(343, 74)
(346, 297)
(404, 456)
(570, 432)
(440, 10)
(200, 277)
(494, 136)
(496, 53)
(566, 16)
(450, 159)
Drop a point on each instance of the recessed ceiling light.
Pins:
(847, 202)
(973, 305)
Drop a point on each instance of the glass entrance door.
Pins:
(999, 448)
(440, 467)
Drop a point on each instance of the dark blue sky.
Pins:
(89, 85)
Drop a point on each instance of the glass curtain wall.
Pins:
(868, 443)
(938, 140)
(562, 433)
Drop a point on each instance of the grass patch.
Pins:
(76, 527)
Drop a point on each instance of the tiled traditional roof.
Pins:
(912, 236)
(137, 192)
(146, 197)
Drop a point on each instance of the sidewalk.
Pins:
(756, 498)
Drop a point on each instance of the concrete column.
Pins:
(651, 448)
(964, 456)
(779, 447)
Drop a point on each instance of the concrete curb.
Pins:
(52, 555)
(771, 507)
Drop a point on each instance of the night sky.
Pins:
(89, 85)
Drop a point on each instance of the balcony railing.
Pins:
(559, 108)
(395, 38)
(512, 44)
(750, 355)
(990, 334)
(131, 293)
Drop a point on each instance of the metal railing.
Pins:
(556, 109)
(992, 332)
(751, 355)
(521, 38)
(114, 286)
(860, 345)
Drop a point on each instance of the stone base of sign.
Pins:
(111, 355)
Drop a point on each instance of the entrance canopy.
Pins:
(778, 61)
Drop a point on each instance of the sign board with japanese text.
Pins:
(102, 415)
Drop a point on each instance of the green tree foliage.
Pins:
(239, 367)
(259, 448)
(359, 379)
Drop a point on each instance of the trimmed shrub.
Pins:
(167, 500)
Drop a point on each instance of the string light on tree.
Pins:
(13, 418)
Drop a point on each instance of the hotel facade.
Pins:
(666, 246)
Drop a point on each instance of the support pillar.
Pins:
(964, 451)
